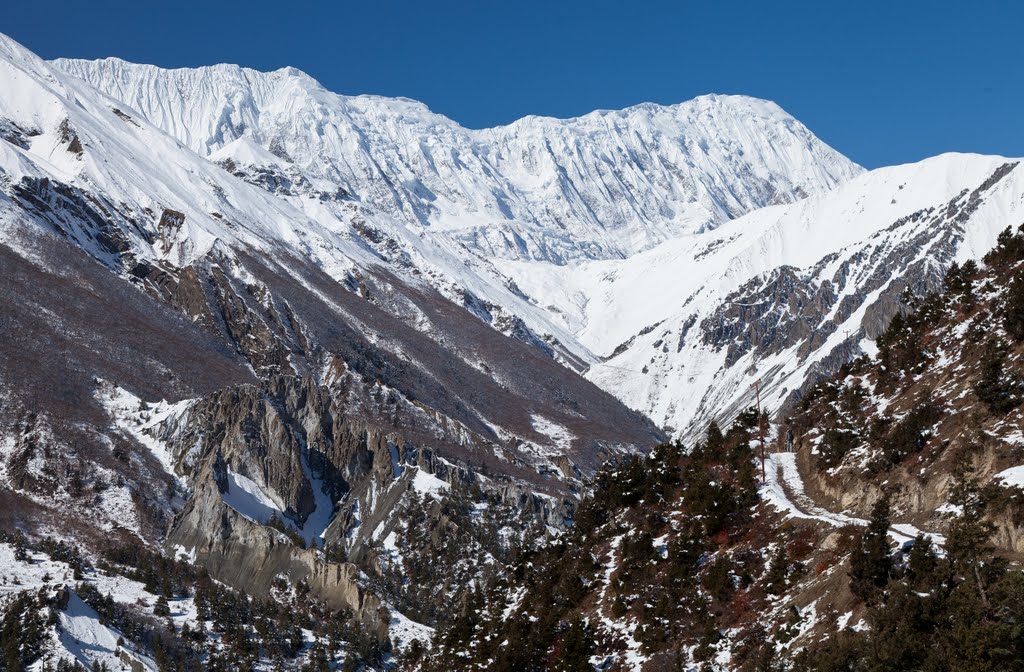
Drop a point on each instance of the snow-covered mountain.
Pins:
(632, 239)
(330, 346)
(186, 349)
(605, 185)
(785, 294)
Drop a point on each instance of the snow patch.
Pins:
(1012, 477)
(247, 498)
(140, 419)
(783, 474)
(428, 484)
(559, 435)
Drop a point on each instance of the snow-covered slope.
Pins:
(152, 297)
(608, 302)
(61, 129)
(782, 294)
(605, 185)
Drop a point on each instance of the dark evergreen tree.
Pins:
(778, 571)
(908, 436)
(718, 579)
(958, 612)
(21, 633)
(870, 563)
(959, 282)
(1013, 310)
(999, 388)
(922, 563)
(1009, 248)
(161, 608)
(715, 440)
(576, 650)
(969, 534)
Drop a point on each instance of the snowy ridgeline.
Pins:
(604, 185)
(695, 320)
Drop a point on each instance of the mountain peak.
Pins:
(605, 185)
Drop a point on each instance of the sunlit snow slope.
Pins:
(783, 294)
(92, 170)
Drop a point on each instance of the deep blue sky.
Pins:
(883, 82)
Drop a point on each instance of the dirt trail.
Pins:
(784, 490)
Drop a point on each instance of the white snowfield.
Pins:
(83, 635)
(634, 224)
(426, 483)
(784, 489)
(141, 420)
(260, 503)
(247, 498)
(136, 172)
(79, 635)
(560, 436)
(626, 295)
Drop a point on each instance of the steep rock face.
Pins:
(283, 483)
(604, 185)
(297, 442)
(452, 379)
(67, 322)
(333, 456)
(249, 557)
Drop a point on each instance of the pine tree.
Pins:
(778, 571)
(959, 282)
(21, 548)
(870, 563)
(21, 633)
(969, 534)
(317, 661)
(715, 441)
(718, 579)
(998, 388)
(576, 650)
(163, 661)
(922, 563)
(1013, 310)
(162, 608)
(1009, 248)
